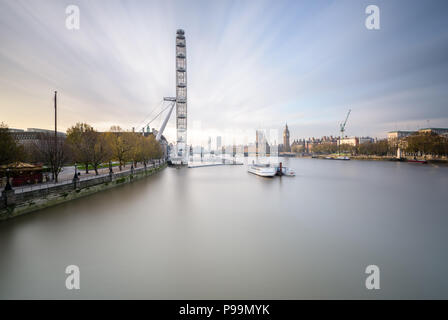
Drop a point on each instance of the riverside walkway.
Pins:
(68, 177)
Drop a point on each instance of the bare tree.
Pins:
(52, 151)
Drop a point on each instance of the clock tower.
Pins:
(286, 145)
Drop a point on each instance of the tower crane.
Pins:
(342, 128)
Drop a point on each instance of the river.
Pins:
(223, 233)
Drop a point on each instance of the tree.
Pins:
(136, 149)
(145, 150)
(379, 148)
(325, 148)
(149, 149)
(297, 148)
(82, 139)
(101, 151)
(119, 145)
(154, 147)
(426, 144)
(347, 148)
(10, 150)
(53, 152)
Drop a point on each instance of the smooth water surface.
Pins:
(223, 233)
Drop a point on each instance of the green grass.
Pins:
(101, 166)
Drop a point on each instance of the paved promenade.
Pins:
(66, 177)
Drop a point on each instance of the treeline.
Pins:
(83, 145)
(376, 148)
(426, 144)
(420, 144)
(379, 148)
(88, 146)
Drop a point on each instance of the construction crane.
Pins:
(342, 129)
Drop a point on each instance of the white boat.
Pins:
(263, 170)
(338, 158)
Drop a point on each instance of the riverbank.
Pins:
(378, 158)
(14, 204)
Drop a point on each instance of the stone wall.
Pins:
(14, 204)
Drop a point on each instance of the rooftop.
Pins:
(434, 129)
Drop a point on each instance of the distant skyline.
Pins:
(251, 64)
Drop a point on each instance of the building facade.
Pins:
(439, 131)
(33, 135)
(396, 135)
(356, 141)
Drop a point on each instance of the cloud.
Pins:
(250, 64)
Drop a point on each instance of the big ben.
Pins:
(286, 146)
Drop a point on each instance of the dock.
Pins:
(213, 164)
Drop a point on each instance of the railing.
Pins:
(51, 184)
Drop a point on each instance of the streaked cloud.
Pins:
(251, 64)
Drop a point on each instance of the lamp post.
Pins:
(75, 177)
(8, 185)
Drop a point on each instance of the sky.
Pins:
(252, 64)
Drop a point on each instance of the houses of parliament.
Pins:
(302, 145)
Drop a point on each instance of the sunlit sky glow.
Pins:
(251, 64)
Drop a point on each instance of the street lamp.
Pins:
(75, 177)
(8, 185)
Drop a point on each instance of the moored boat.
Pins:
(337, 158)
(263, 170)
(287, 172)
(342, 158)
(284, 171)
(417, 161)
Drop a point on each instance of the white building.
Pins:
(355, 141)
(396, 135)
